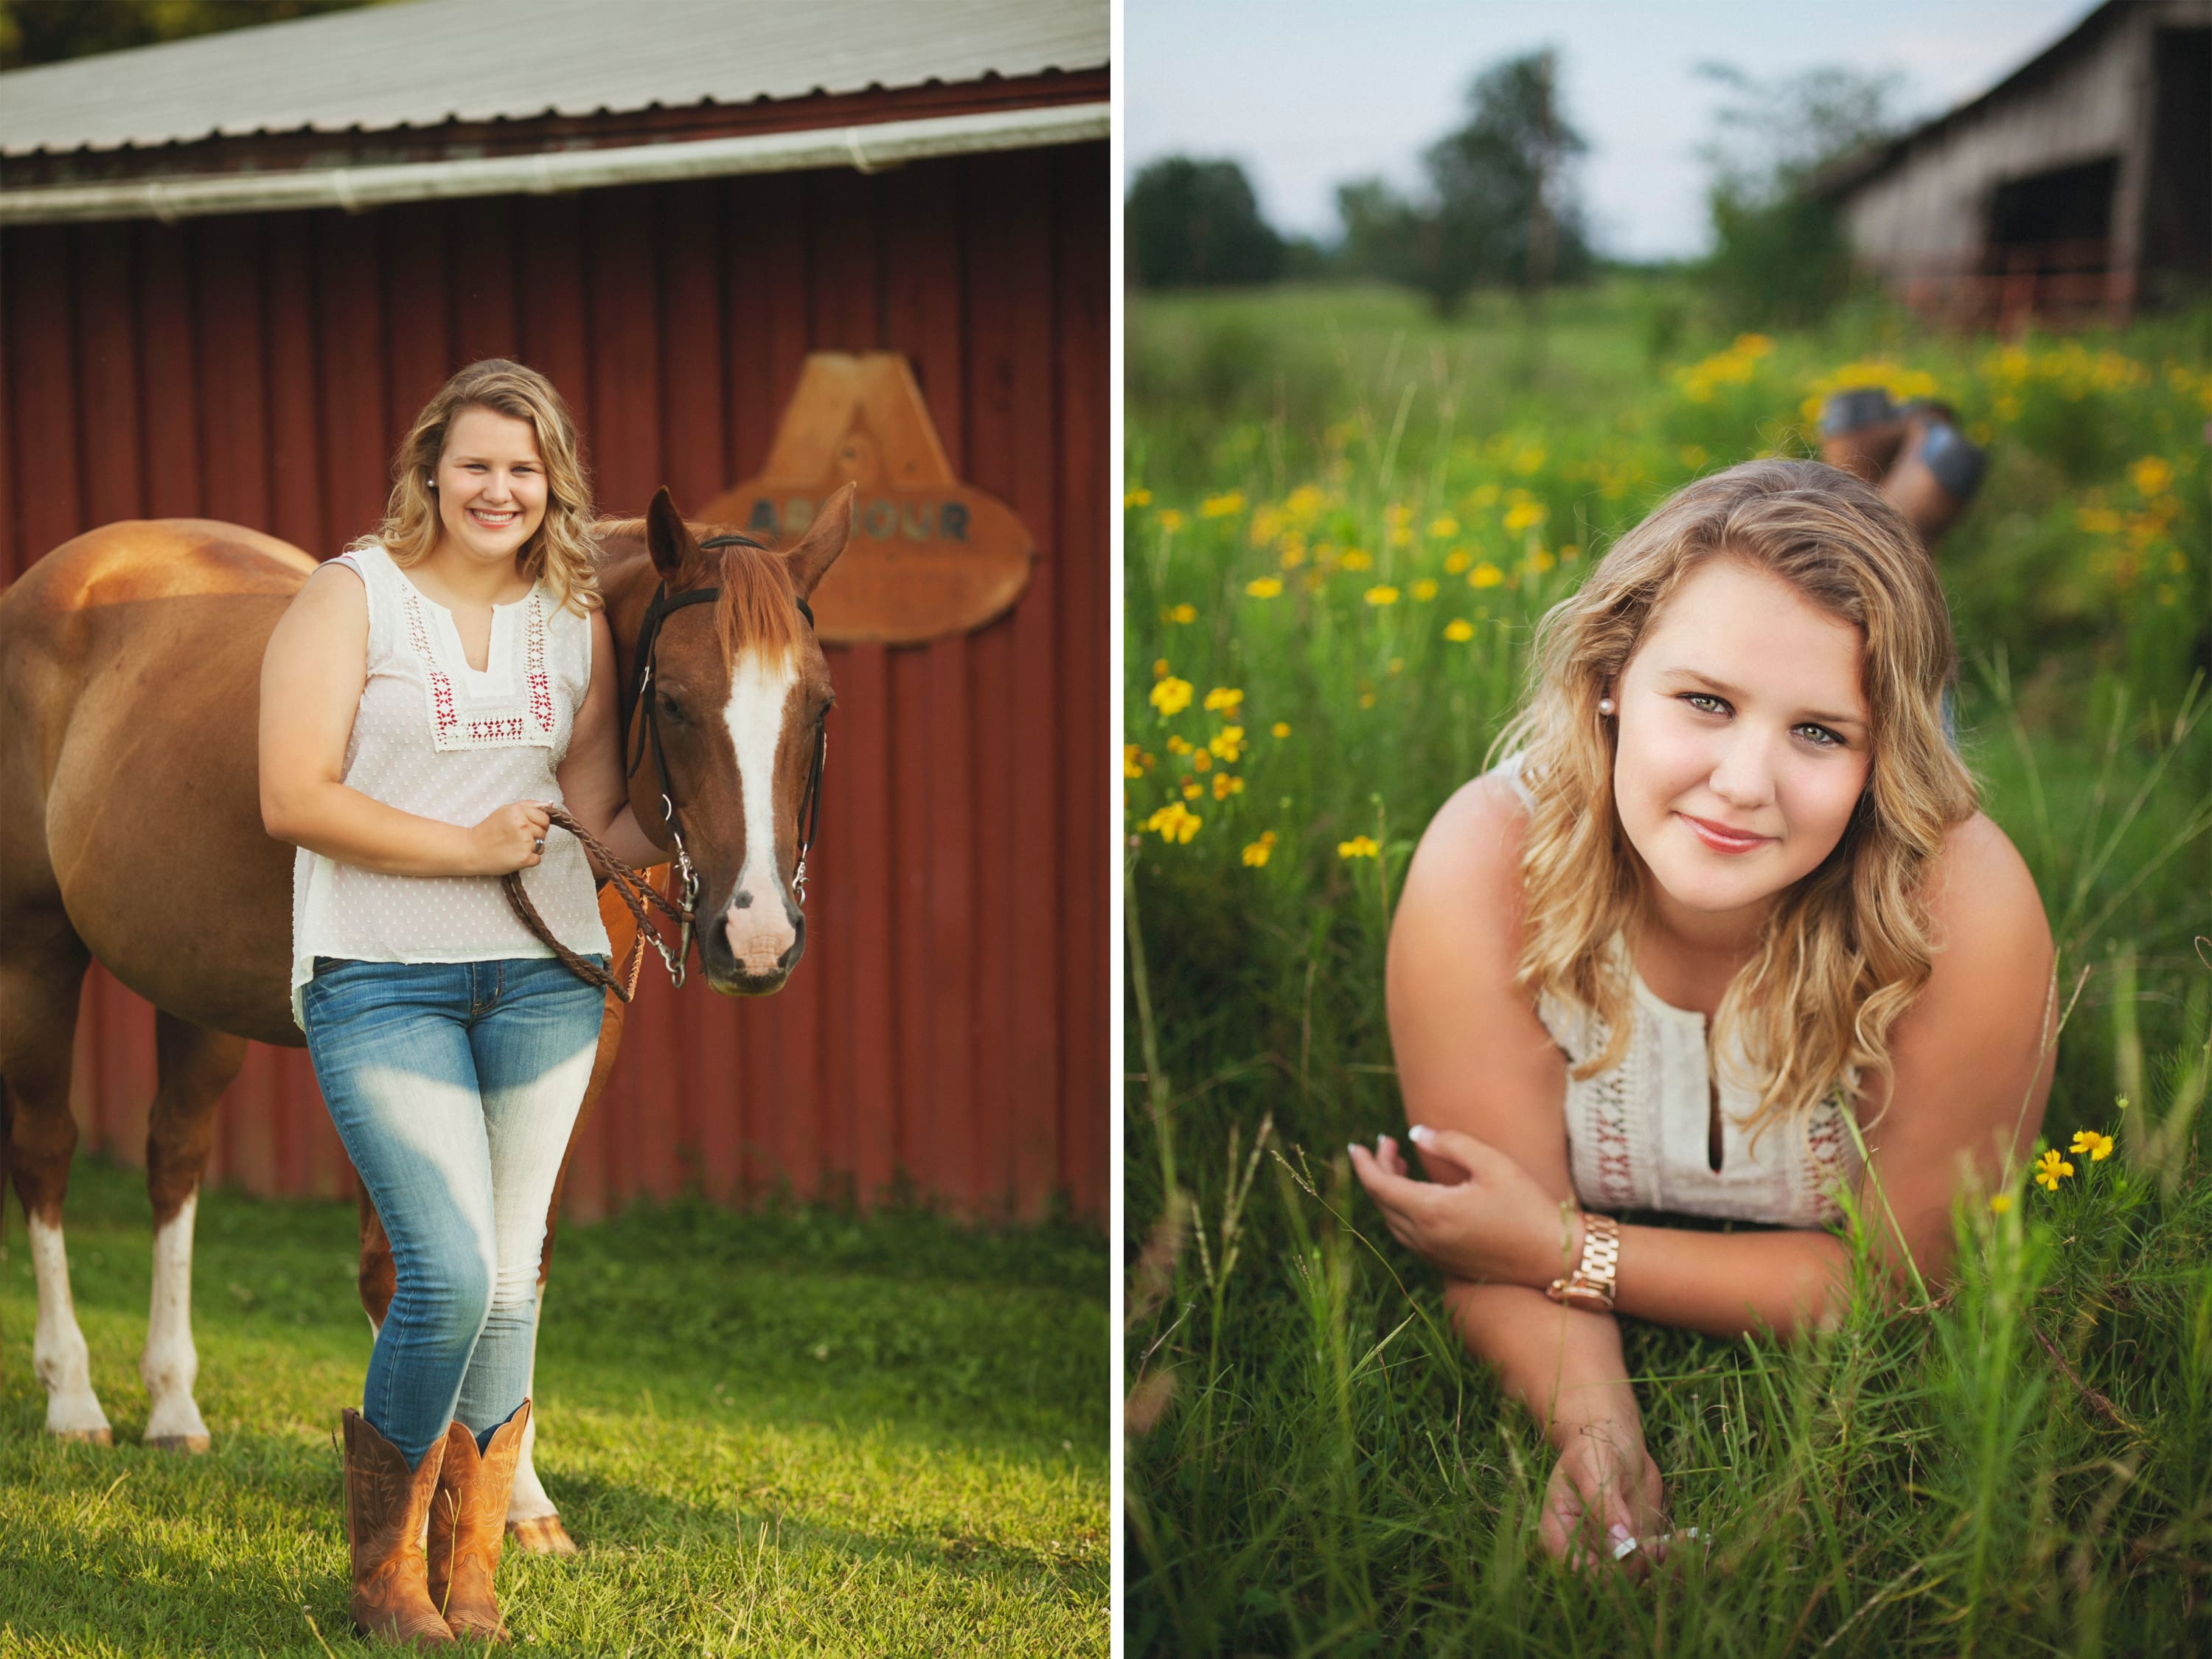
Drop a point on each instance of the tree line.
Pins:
(1498, 207)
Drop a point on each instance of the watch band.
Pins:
(1590, 1286)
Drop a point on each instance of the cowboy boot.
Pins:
(1937, 476)
(1861, 431)
(468, 1525)
(385, 1506)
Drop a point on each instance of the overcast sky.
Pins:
(1308, 93)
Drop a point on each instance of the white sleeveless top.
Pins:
(435, 738)
(1639, 1132)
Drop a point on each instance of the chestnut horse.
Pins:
(130, 832)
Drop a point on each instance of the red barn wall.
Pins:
(947, 1029)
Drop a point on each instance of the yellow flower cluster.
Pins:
(1257, 853)
(1733, 365)
(1903, 385)
(1359, 847)
(1224, 506)
(1175, 822)
(1172, 695)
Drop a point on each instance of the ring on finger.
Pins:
(537, 844)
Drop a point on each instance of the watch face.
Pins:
(1589, 1301)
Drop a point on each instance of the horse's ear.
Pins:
(818, 549)
(668, 539)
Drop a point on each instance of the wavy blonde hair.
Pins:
(560, 550)
(1846, 949)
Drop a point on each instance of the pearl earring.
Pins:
(1605, 705)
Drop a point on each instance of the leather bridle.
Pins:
(648, 735)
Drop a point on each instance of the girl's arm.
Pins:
(591, 775)
(1471, 1053)
(311, 675)
(1973, 1062)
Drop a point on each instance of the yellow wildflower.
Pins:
(1159, 668)
(1529, 458)
(2048, 1170)
(1484, 574)
(1293, 556)
(1443, 528)
(1258, 852)
(1137, 497)
(1459, 630)
(1367, 700)
(1539, 561)
(1359, 847)
(1134, 761)
(2098, 1146)
(1225, 786)
(1227, 743)
(1174, 823)
(1171, 696)
(1223, 700)
(2001, 1203)
(1264, 587)
(1524, 515)
(1280, 729)
(1383, 594)
(1192, 791)
(1424, 590)
(1201, 760)
(1357, 558)
(2153, 475)
(1177, 744)
(1457, 560)
(1182, 615)
(1170, 520)
(1225, 504)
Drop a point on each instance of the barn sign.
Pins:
(929, 555)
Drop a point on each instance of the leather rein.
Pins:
(630, 885)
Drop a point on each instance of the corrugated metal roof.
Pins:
(426, 61)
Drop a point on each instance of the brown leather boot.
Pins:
(468, 1525)
(386, 1505)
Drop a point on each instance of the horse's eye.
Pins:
(670, 707)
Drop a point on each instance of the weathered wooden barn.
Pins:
(232, 268)
(2077, 188)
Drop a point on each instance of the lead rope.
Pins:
(636, 893)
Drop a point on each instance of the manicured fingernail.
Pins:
(1420, 1132)
(1350, 1146)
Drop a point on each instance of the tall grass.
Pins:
(1344, 537)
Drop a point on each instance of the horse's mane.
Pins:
(758, 610)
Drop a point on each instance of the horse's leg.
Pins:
(193, 1066)
(42, 964)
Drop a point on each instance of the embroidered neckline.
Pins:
(498, 723)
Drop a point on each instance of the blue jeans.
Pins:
(454, 1086)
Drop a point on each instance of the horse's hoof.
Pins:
(85, 1437)
(180, 1442)
(542, 1534)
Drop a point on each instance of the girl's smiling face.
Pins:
(1742, 746)
(491, 484)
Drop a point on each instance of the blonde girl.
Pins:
(429, 693)
(1724, 934)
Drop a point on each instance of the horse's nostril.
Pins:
(744, 901)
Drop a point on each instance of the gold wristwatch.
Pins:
(1590, 1287)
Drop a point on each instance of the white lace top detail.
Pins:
(1638, 1133)
(437, 738)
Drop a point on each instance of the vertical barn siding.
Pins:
(947, 1028)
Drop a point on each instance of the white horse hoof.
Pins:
(99, 1437)
(541, 1534)
(182, 1443)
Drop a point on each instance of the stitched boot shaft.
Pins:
(468, 1525)
(385, 1507)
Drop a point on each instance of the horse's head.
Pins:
(739, 690)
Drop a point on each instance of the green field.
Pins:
(1343, 517)
(800, 1432)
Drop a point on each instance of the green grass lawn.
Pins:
(777, 1433)
(1344, 517)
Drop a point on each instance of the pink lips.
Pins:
(1721, 838)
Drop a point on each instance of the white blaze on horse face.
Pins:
(171, 1364)
(759, 932)
(58, 1355)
